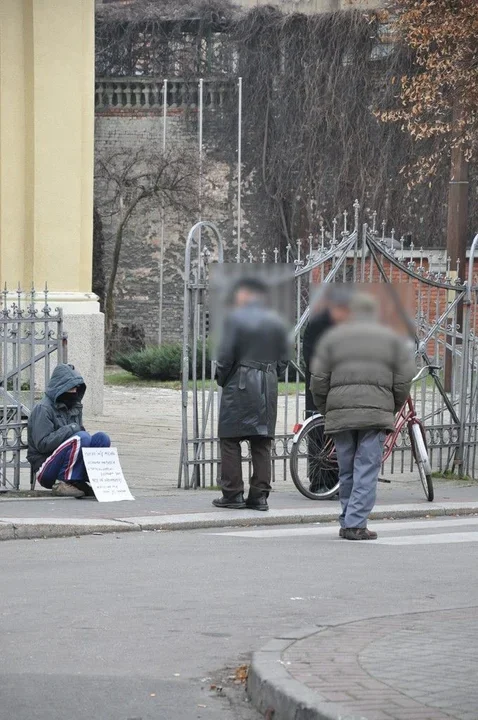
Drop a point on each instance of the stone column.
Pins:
(46, 166)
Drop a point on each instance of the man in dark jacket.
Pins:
(320, 320)
(331, 305)
(361, 377)
(56, 435)
(252, 352)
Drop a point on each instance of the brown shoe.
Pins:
(342, 533)
(66, 489)
(359, 534)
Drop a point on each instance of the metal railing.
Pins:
(148, 94)
(32, 341)
(447, 403)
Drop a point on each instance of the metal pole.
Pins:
(239, 171)
(364, 252)
(201, 98)
(457, 225)
(465, 358)
(161, 249)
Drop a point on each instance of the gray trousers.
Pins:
(359, 455)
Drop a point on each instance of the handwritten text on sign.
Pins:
(105, 474)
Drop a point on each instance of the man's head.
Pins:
(69, 397)
(337, 298)
(248, 290)
(66, 385)
(364, 306)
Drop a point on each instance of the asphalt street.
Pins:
(138, 627)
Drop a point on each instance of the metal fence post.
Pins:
(192, 293)
(29, 334)
(461, 455)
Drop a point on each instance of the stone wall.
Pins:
(137, 286)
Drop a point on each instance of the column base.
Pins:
(84, 324)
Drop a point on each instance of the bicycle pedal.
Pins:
(384, 480)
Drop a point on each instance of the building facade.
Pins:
(46, 166)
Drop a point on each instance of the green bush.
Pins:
(160, 362)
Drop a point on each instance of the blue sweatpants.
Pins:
(359, 455)
(66, 463)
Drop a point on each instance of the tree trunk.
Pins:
(457, 230)
(110, 290)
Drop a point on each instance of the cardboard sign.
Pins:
(105, 474)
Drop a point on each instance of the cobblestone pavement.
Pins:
(145, 426)
(408, 667)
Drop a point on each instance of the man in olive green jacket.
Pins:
(360, 377)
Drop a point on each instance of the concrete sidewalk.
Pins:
(418, 666)
(145, 426)
(61, 517)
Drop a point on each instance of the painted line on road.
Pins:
(332, 529)
(436, 539)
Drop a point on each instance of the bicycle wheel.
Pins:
(313, 462)
(420, 453)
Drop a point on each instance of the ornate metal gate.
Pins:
(445, 328)
(32, 341)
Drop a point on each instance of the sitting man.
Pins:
(56, 435)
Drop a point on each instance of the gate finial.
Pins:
(345, 231)
(356, 207)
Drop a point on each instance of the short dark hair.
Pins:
(254, 285)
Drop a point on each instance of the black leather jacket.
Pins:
(253, 351)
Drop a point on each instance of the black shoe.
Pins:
(360, 534)
(236, 502)
(257, 503)
(87, 489)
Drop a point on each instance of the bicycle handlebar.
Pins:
(430, 370)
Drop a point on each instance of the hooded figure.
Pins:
(56, 435)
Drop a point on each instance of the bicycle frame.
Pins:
(406, 415)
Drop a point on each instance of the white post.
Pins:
(161, 248)
(201, 95)
(201, 98)
(239, 171)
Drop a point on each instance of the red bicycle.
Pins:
(313, 459)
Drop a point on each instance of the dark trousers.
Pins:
(310, 408)
(231, 466)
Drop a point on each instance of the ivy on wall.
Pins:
(314, 89)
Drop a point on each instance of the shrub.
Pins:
(160, 362)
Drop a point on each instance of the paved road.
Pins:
(131, 627)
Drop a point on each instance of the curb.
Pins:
(37, 528)
(275, 693)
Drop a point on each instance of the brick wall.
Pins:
(427, 301)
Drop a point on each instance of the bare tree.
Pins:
(126, 180)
